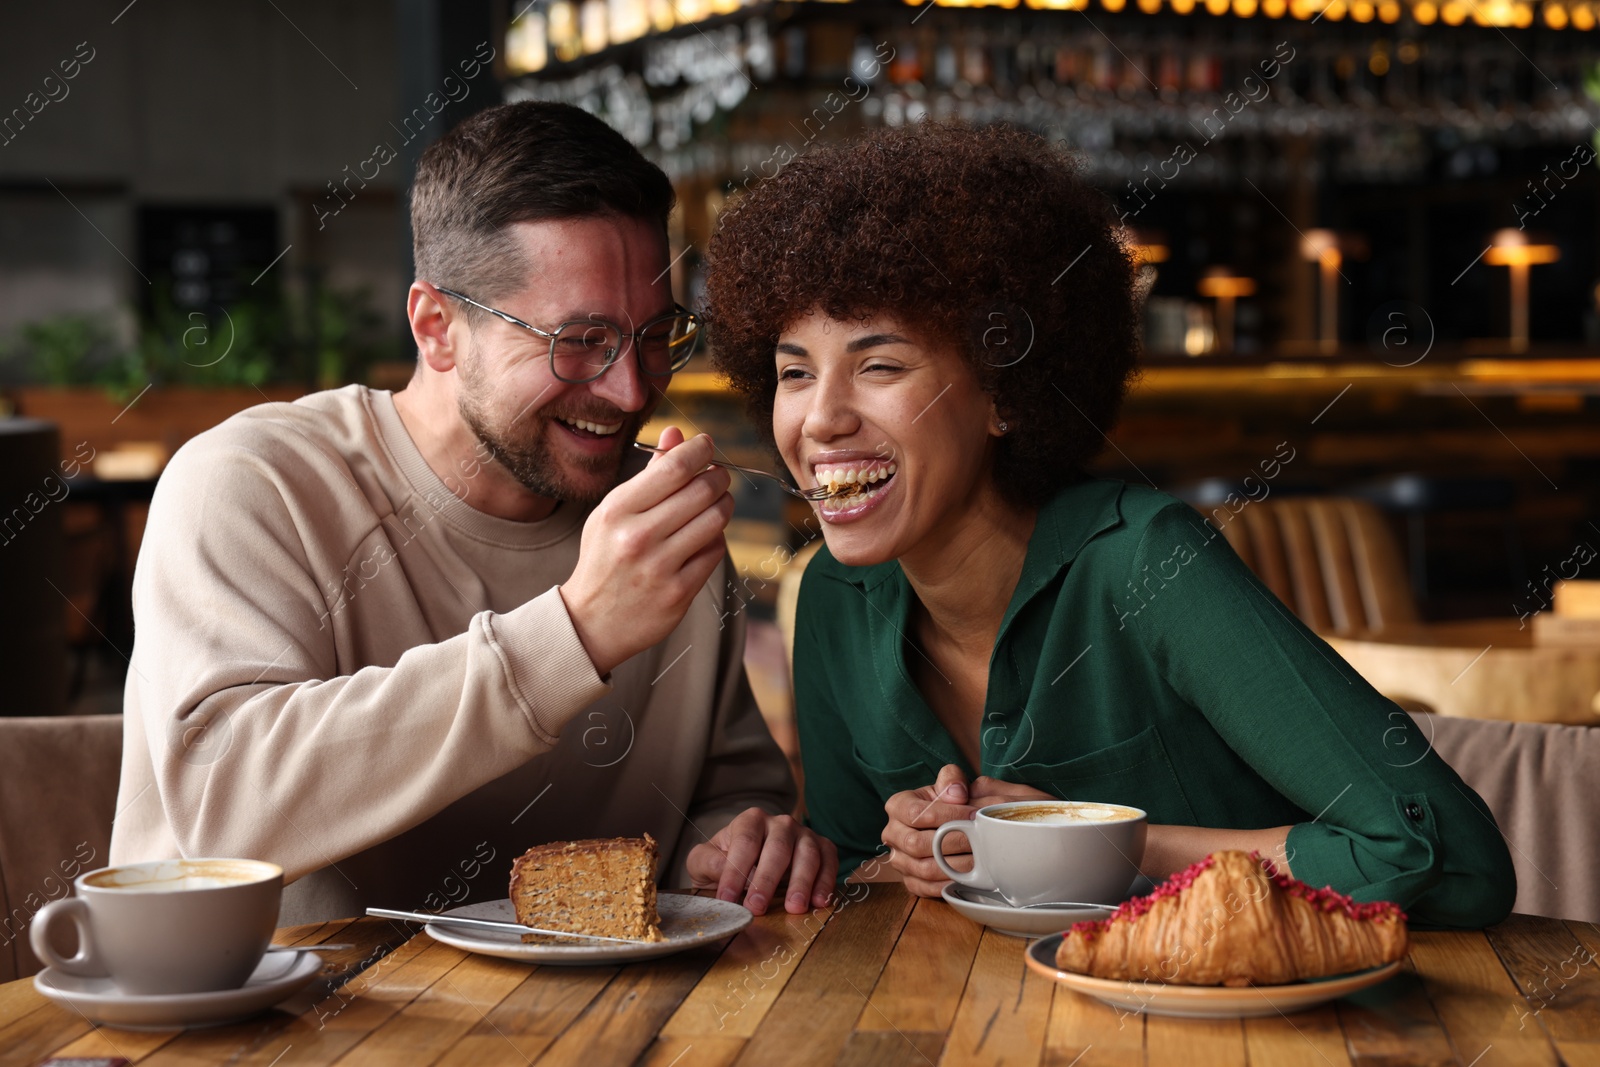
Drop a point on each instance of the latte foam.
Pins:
(1067, 813)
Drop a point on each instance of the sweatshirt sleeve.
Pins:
(744, 767)
(1387, 824)
(259, 746)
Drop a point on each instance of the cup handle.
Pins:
(978, 878)
(75, 910)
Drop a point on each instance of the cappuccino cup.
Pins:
(167, 926)
(1048, 851)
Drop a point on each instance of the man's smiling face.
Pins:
(565, 440)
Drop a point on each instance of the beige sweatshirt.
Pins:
(342, 668)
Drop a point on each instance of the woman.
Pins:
(943, 320)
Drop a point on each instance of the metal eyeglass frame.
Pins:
(612, 354)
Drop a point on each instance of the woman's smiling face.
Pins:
(878, 408)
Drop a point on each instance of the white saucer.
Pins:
(277, 977)
(991, 910)
(988, 908)
(686, 922)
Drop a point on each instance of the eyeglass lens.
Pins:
(581, 351)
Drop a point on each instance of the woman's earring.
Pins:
(1004, 427)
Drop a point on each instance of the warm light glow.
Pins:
(1303, 9)
(1362, 11)
(1244, 8)
(1335, 11)
(1378, 64)
(1149, 253)
(1424, 12)
(1555, 16)
(1274, 9)
(1520, 255)
(563, 31)
(629, 20)
(1493, 12)
(1408, 51)
(1216, 7)
(662, 15)
(1453, 13)
(1150, 7)
(1113, 5)
(1389, 11)
(527, 49)
(1321, 246)
(1182, 7)
(1219, 283)
(1582, 17)
(1522, 16)
(592, 26)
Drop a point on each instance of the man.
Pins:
(390, 642)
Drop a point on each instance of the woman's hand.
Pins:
(752, 855)
(916, 813)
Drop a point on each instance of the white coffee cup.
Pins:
(1045, 851)
(167, 926)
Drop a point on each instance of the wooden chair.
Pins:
(58, 796)
(1333, 560)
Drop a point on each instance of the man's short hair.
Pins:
(518, 163)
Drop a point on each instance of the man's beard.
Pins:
(531, 462)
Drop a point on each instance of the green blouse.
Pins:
(1140, 662)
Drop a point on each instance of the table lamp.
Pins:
(1322, 248)
(1226, 287)
(1510, 248)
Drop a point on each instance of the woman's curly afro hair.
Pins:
(985, 238)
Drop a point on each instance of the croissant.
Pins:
(1233, 920)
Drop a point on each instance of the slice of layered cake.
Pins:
(605, 886)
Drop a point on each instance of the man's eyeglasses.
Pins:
(583, 350)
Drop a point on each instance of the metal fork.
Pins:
(819, 493)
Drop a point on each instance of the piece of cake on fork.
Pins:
(603, 886)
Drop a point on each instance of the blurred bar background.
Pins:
(1368, 233)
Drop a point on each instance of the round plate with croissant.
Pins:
(1227, 937)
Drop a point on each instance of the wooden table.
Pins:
(882, 978)
(1480, 669)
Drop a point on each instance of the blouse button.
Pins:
(1414, 812)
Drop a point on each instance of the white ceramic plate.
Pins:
(686, 921)
(991, 910)
(1204, 1002)
(278, 976)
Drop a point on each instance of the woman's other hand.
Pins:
(913, 817)
(755, 852)
(916, 813)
